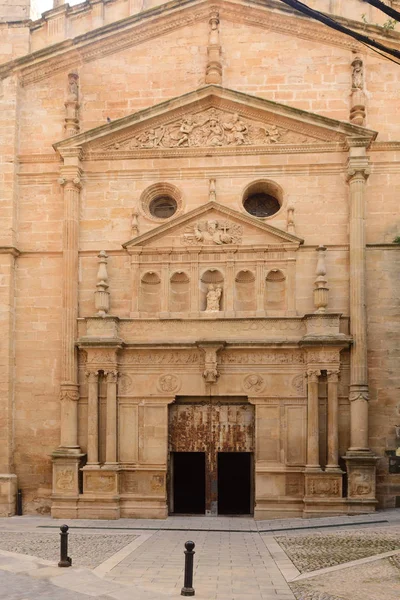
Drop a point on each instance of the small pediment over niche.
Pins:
(214, 226)
(215, 120)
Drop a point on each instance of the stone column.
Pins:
(69, 392)
(229, 288)
(260, 285)
(135, 279)
(291, 285)
(333, 421)
(194, 282)
(357, 176)
(93, 418)
(313, 421)
(111, 420)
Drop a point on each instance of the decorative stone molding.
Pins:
(313, 375)
(212, 195)
(320, 288)
(290, 225)
(102, 295)
(358, 392)
(69, 391)
(214, 66)
(324, 486)
(72, 106)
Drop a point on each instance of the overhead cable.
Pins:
(395, 14)
(318, 16)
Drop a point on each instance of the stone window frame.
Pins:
(154, 191)
(266, 186)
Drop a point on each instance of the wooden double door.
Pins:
(211, 445)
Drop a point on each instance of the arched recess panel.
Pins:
(211, 277)
(150, 293)
(179, 292)
(275, 291)
(245, 291)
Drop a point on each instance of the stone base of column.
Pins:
(8, 494)
(100, 499)
(361, 478)
(67, 482)
(323, 493)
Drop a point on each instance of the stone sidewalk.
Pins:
(236, 558)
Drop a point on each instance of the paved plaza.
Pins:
(236, 558)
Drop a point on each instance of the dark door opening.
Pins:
(189, 482)
(234, 483)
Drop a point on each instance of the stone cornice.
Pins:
(10, 250)
(133, 30)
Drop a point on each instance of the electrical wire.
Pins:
(395, 14)
(314, 14)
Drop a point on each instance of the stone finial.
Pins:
(290, 226)
(102, 295)
(214, 66)
(212, 196)
(135, 224)
(357, 110)
(321, 290)
(72, 106)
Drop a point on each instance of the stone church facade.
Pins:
(199, 286)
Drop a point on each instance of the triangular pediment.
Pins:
(214, 225)
(214, 120)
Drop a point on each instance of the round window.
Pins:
(261, 205)
(163, 207)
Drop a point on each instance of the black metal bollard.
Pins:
(19, 503)
(65, 560)
(187, 589)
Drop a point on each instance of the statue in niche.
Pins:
(214, 294)
(213, 232)
(358, 74)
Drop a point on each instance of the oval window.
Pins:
(261, 205)
(163, 207)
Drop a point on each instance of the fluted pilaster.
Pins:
(111, 421)
(93, 418)
(358, 173)
(333, 421)
(313, 420)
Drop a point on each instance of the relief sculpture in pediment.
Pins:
(211, 128)
(213, 232)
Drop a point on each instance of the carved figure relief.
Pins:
(124, 383)
(211, 128)
(65, 479)
(213, 298)
(361, 483)
(298, 384)
(157, 483)
(357, 74)
(168, 383)
(213, 232)
(253, 383)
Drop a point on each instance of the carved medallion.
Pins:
(65, 479)
(124, 384)
(298, 384)
(253, 383)
(168, 383)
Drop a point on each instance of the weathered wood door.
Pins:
(211, 425)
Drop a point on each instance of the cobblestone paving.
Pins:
(85, 550)
(379, 580)
(320, 550)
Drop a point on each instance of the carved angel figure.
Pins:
(358, 74)
(213, 298)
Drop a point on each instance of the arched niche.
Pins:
(211, 279)
(275, 291)
(150, 293)
(179, 292)
(245, 291)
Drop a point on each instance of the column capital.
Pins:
(111, 376)
(73, 180)
(92, 376)
(69, 391)
(358, 168)
(333, 375)
(313, 374)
